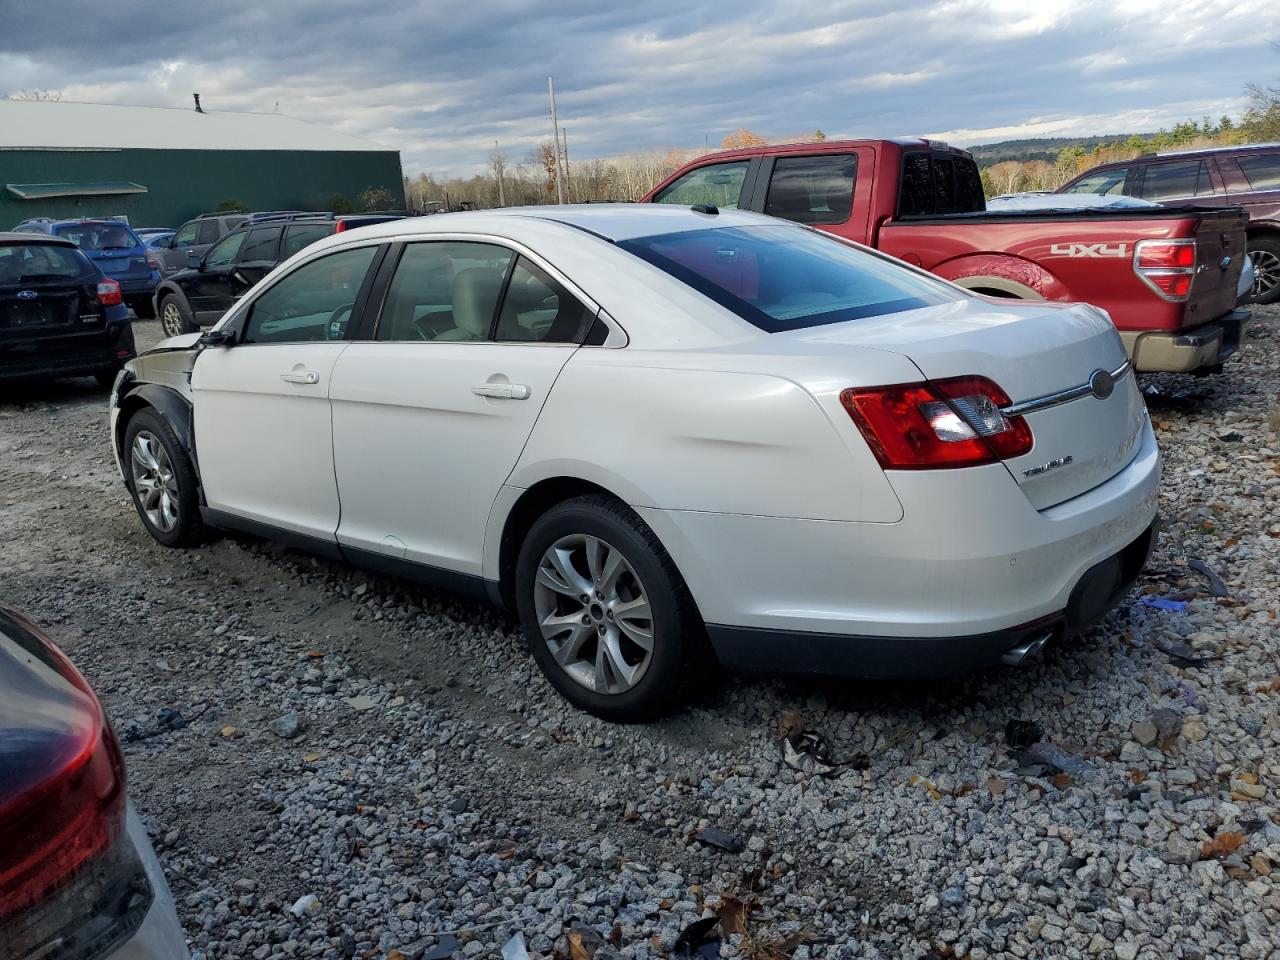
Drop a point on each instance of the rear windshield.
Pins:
(785, 278)
(936, 184)
(98, 236)
(39, 261)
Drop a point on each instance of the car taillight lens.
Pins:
(938, 424)
(342, 225)
(153, 261)
(109, 293)
(1166, 266)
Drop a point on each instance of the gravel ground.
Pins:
(335, 765)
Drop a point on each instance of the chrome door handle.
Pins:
(307, 376)
(504, 391)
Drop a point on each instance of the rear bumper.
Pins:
(139, 286)
(1198, 349)
(160, 937)
(1098, 591)
(77, 355)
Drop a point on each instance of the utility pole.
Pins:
(497, 153)
(568, 178)
(555, 140)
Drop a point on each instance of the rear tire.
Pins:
(161, 481)
(175, 317)
(1265, 252)
(593, 588)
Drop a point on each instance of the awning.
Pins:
(44, 191)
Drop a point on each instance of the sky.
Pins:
(442, 81)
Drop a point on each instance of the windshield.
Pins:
(785, 278)
(98, 236)
(39, 261)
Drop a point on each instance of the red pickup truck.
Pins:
(1167, 276)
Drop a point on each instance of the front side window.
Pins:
(261, 245)
(719, 185)
(185, 237)
(1262, 170)
(444, 290)
(1106, 183)
(313, 302)
(303, 235)
(785, 278)
(223, 254)
(1182, 178)
(812, 189)
(206, 231)
(537, 308)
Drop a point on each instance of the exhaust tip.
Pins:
(1028, 650)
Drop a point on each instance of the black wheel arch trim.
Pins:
(170, 404)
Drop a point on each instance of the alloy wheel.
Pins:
(171, 319)
(594, 614)
(155, 481)
(1266, 272)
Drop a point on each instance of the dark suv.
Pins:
(60, 316)
(198, 296)
(195, 236)
(1246, 176)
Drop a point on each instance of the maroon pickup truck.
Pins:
(1167, 276)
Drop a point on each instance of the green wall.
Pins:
(183, 183)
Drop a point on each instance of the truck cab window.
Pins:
(815, 189)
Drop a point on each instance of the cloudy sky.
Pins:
(442, 80)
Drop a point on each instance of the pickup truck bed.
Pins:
(1166, 276)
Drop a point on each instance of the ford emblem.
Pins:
(1101, 384)
(27, 294)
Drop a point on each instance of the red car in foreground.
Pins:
(78, 878)
(1167, 276)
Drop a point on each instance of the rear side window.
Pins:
(99, 236)
(1106, 183)
(1182, 178)
(812, 189)
(261, 245)
(785, 278)
(313, 302)
(1262, 170)
(444, 290)
(303, 235)
(224, 252)
(39, 261)
(719, 184)
(207, 231)
(538, 309)
(936, 184)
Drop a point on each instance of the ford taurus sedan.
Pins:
(662, 435)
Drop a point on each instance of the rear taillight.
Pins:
(1166, 266)
(342, 225)
(109, 293)
(938, 424)
(153, 261)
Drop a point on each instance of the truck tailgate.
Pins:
(1220, 249)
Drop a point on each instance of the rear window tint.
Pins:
(1182, 178)
(207, 231)
(936, 184)
(303, 235)
(786, 278)
(99, 236)
(39, 261)
(815, 189)
(1261, 170)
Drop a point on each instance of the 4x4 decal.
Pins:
(1077, 250)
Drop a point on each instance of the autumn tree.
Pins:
(742, 138)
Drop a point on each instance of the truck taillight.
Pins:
(1166, 266)
(109, 293)
(938, 424)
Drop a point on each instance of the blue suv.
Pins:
(116, 250)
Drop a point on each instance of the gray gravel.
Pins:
(334, 764)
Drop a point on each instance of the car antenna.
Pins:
(708, 208)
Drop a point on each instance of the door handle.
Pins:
(307, 376)
(504, 391)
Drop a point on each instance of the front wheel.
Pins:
(1265, 254)
(162, 481)
(175, 317)
(607, 616)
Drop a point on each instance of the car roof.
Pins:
(8, 238)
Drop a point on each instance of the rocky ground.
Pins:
(338, 765)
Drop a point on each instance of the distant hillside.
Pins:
(1042, 148)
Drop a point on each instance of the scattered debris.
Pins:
(1161, 603)
(1050, 758)
(1234, 436)
(699, 939)
(171, 718)
(514, 949)
(307, 904)
(1182, 654)
(809, 752)
(443, 950)
(715, 837)
(1216, 586)
(585, 942)
(1021, 734)
(286, 727)
(733, 914)
(1222, 845)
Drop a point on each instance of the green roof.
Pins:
(43, 191)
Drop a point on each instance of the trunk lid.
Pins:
(1029, 351)
(1220, 250)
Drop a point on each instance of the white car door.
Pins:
(430, 416)
(263, 429)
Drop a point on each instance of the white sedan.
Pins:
(662, 435)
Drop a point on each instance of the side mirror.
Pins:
(217, 338)
(194, 260)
